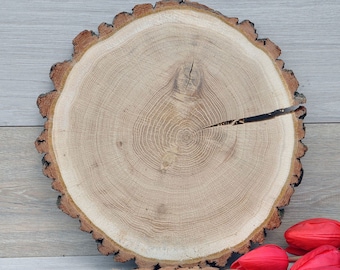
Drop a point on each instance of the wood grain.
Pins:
(31, 225)
(35, 35)
(62, 263)
(318, 194)
(161, 129)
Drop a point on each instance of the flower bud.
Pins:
(266, 257)
(322, 268)
(323, 257)
(312, 233)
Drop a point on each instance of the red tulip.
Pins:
(312, 233)
(322, 268)
(266, 257)
(324, 257)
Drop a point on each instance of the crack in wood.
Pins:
(257, 118)
(189, 76)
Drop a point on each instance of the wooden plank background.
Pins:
(36, 34)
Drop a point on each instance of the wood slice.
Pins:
(172, 135)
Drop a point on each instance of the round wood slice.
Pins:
(174, 135)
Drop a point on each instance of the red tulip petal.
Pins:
(321, 257)
(236, 265)
(312, 233)
(296, 251)
(323, 268)
(265, 257)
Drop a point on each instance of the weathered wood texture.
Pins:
(31, 224)
(28, 211)
(62, 263)
(36, 34)
(319, 193)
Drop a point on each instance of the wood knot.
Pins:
(168, 159)
(187, 82)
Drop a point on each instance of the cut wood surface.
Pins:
(169, 107)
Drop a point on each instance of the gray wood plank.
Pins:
(30, 222)
(32, 226)
(319, 193)
(36, 34)
(64, 263)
